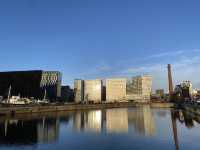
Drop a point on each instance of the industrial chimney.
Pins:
(170, 80)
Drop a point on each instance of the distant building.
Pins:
(197, 93)
(78, 90)
(115, 89)
(93, 90)
(183, 91)
(139, 88)
(186, 88)
(160, 92)
(31, 83)
(67, 94)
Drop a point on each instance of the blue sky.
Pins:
(102, 38)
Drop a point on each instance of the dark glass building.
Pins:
(31, 84)
(67, 94)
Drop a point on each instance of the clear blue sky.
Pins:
(102, 38)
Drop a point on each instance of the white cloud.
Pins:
(158, 56)
(144, 69)
(164, 54)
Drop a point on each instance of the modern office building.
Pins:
(93, 90)
(139, 88)
(51, 82)
(78, 90)
(31, 84)
(115, 90)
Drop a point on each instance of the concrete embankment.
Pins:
(162, 105)
(12, 110)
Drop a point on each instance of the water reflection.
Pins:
(142, 121)
(184, 117)
(47, 130)
(88, 121)
(117, 120)
(29, 132)
(174, 127)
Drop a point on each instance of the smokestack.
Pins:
(170, 80)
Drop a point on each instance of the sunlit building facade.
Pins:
(115, 90)
(139, 88)
(78, 90)
(93, 90)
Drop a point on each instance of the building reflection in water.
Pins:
(112, 120)
(174, 129)
(117, 120)
(93, 121)
(184, 117)
(88, 121)
(47, 130)
(142, 119)
(29, 132)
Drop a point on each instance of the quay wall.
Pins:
(162, 105)
(12, 110)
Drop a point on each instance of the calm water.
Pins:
(121, 128)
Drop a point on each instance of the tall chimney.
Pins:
(170, 80)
